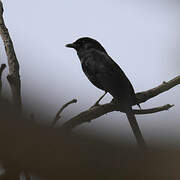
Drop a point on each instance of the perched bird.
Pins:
(106, 75)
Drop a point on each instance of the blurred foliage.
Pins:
(52, 153)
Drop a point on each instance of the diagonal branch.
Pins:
(153, 110)
(165, 86)
(13, 77)
(57, 117)
(100, 110)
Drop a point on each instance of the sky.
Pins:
(141, 36)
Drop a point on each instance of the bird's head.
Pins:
(86, 43)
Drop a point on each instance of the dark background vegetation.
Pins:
(51, 153)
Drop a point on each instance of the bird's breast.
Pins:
(85, 55)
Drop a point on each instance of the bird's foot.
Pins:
(95, 105)
(97, 102)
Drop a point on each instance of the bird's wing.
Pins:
(89, 69)
(111, 77)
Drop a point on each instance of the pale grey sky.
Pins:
(141, 36)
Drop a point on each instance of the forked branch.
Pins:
(100, 110)
(13, 76)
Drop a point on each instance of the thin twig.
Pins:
(100, 110)
(153, 110)
(3, 66)
(13, 76)
(57, 117)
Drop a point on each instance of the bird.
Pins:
(104, 73)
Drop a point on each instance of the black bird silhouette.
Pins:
(105, 74)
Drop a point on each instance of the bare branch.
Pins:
(13, 77)
(153, 110)
(100, 110)
(3, 66)
(165, 86)
(57, 117)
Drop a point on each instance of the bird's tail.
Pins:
(135, 128)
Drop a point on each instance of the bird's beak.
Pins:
(72, 45)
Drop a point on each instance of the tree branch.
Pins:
(3, 66)
(100, 110)
(153, 110)
(57, 117)
(13, 76)
(165, 86)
